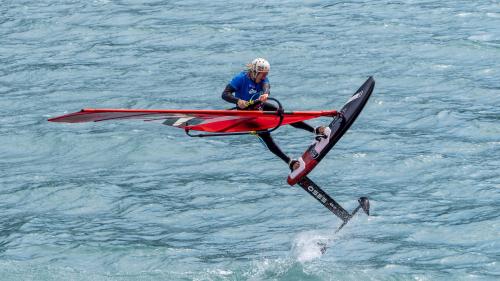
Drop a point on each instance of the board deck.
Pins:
(335, 130)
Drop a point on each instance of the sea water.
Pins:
(140, 201)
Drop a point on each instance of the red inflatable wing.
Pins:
(217, 121)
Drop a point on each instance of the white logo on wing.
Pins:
(182, 120)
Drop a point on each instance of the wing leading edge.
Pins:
(217, 121)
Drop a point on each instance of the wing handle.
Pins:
(280, 112)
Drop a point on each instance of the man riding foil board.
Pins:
(253, 84)
(244, 90)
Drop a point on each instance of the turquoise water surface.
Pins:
(138, 201)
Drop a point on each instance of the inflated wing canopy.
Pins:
(217, 121)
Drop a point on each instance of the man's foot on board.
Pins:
(294, 164)
(320, 133)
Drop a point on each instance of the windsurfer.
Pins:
(253, 84)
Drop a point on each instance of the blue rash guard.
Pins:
(245, 88)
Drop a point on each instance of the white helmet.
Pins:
(260, 65)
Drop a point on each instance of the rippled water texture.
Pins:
(138, 201)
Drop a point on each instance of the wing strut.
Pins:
(279, 112)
